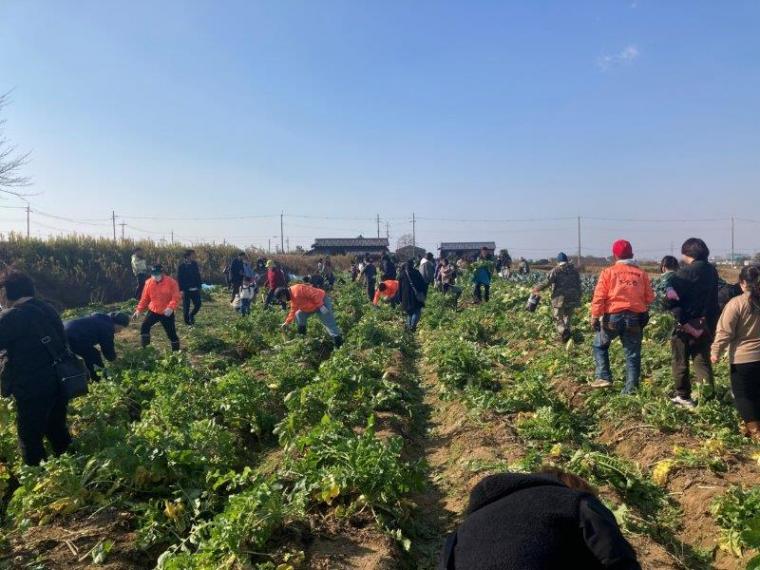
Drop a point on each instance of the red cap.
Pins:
(622, 249)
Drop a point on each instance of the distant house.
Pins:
(349, 246)
(410, 252)
(465, 248)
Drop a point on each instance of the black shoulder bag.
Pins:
(419, 295)
(70, 369)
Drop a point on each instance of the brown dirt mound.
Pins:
(362, 550)
(68, 543)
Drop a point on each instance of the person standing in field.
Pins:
(524, 267)
(387, 289)
(387, 267)
(427, 268)
(412, 294)
(696, 284)
(139, 270)
(159, 301)
(275, 279)
(247, 294)
(664, 291)
(565, 282)
(328, 272)
(369, 274)
(447, 278)
(190, 283)
(619, 309)
(738, 332)
(237, 272)
(482, 275)
(86, 334)
(505, 263)
(305, 301)
(29, 375)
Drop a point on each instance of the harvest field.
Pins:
(256, 449)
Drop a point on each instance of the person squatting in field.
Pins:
(86, 334)
(388, 290)
(482, 275)
(619, 309)
(565, 282)
(28, 374)
(275, 279)
(305, 301)
(190, 283)
(738, 333)
(524, 521)
(159, 301)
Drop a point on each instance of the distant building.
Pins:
(410, 252)
(465, 248)
(349, 246)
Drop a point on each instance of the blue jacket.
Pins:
(97, 329)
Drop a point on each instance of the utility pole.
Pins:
(388, 231)
(122, 230)
(580, 253)
(414, 232)
(28, 221)
(378, 225)
(269, 245)
(282, 235)
(172, 237)
(113, 219)
(733, 242)
(287, 243)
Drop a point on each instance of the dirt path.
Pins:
(459, 449)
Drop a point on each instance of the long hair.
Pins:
(750, 275)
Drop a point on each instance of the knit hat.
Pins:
(622, 249)
(120, 319)
(156, 269)
(562, 257)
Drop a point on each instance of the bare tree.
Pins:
(405, 240)
(11, 161)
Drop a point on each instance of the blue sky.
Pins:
(341, 109)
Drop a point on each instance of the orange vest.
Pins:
(391, 288)
(157, 296)
(304, 298)
(622, 287)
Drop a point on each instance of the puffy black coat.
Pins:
(697, 287)
(28, 372)
(189, 276)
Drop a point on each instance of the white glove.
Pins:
(168, 312)
(284, 325)
(135, 315)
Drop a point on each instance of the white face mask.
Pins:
(158, 278)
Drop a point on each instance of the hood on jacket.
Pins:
(496, 487)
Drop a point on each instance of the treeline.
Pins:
(79, 270)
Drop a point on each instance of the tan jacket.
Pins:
(739, 331)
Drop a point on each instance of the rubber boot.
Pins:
(301, 330)
(175, 345)
(338, 341)
(144, 340)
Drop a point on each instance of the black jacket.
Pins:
(387, 269)
(95, 330)
(28, 372)
(523, 522)
(409, 281)
(189, 276)
(697, 287)
(236, 270)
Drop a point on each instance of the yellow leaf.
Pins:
(661, 471)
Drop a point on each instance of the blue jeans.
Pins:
(627, 327)
(325, 314)
(412, 319)
(245, 307)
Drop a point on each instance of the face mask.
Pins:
(158, 277)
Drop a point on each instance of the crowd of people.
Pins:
(711, 319)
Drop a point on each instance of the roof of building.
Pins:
(462, 245)
(351, 242)
(411, 248)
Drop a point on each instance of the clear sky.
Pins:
(477, 110)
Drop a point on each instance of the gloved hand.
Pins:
(595, 324)
(135, 315)
(168, 312)
(284, 325)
